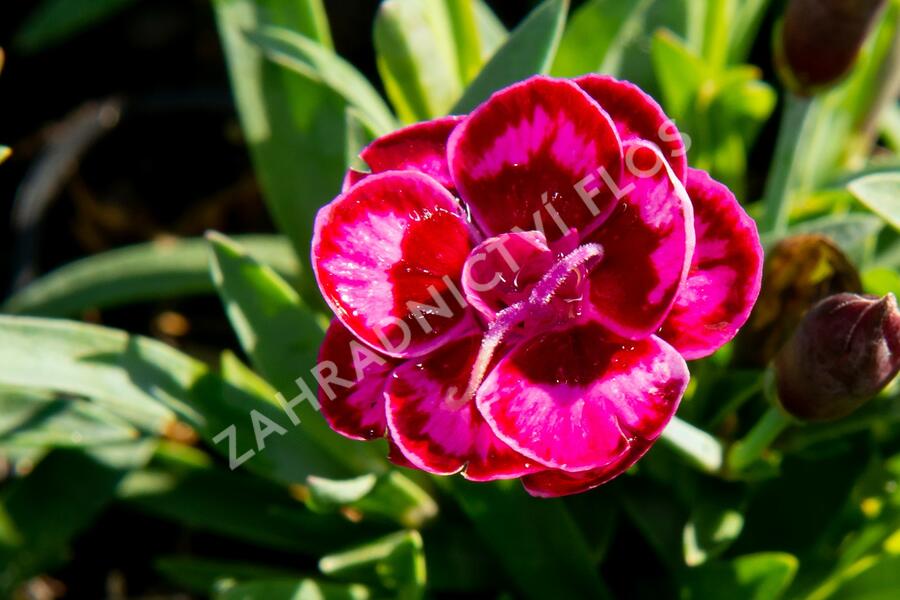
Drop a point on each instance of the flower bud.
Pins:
(820, 39)
(845, 351)
(799, 271)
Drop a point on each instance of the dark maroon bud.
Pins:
(799, 271)
(845, 351)
(820, 39)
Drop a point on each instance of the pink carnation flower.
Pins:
(517, 290)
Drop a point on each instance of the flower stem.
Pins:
(748, 450)
(698, 447)
(796, 128)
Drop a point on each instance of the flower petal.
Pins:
(553, 482)
(529, 145)
(352, 401)
(647, 247)
(725, 276)
(501, 270)
(384, 252)
(351, 178)
(438, 431)
(637, 116)
(576, 399)
(420, 147)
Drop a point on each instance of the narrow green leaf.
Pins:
(717, 32)
(741, 104)
(416, 57)
(294, 126)
(395, 562)
(282, 337)
(183, 484)
(54, 21)
(307, 17)
(684, 18)
(881, 194)
(117, 372)
(748, 17)
(855, 233)
(316, 62)
(391, 496)
(890, 128)
(597, 35)
(151, 271)
(466, 37)
(763, 576)
(149, 384)
(327, 495)
(291, 589)
(536, 540)
(283, 450)
(490, 29)
(359, 135)
(695, 445)
(870, 578)
(528, 51)
(679, 71)
(279, 333)
(745, 101)
(33, 418)
(199, 575)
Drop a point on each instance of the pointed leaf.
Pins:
(290, 589)
(881, 193)
(392, 496)
(313, 60)
(151, 271)
(199, 575)
(150, 384)
(416, 57)
(679, 71)
(293, 125)
(597, 35)
(395, 562)
(282, 337)
(528, 51)
(34, 418)
(185, 485)
(763, 576)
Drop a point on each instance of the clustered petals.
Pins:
(516, 291)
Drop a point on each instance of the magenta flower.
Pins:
(517, 290)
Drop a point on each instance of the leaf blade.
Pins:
(529, 50)
(881, 194)
(282, 337)
(151, 271)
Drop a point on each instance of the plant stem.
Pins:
(748, 450)
(796, 127)
(697, 446)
